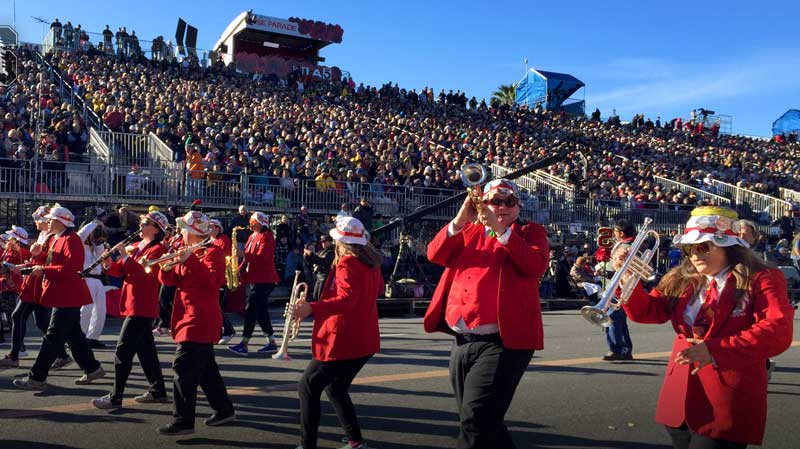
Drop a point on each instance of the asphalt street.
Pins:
(569, 398)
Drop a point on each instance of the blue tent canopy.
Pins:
(550, 89)
(788, 122)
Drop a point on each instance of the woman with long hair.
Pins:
(730, 312)
(345, 333)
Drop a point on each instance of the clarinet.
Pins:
(107, 253)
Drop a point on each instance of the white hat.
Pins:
(502, 187)
(157, 218)
(216, 223)
(349, 230)
(717, 225)
(39, 213)
(63, 215)
(261, 218)
(18, 233)
(195, 222)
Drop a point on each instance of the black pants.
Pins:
(684, 438)
(19, 324)
(319, 283)
(335, 378)
(257, 309)
(165, 297)
(485, 375)
(227, 327)
(135, 338)
(65, 326)
(195, 365)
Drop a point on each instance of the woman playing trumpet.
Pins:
(345, 333)
(731, 313)
(139, 305)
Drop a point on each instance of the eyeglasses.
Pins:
(700, 248)
(508, 202)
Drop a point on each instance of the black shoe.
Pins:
(627, 356)
(612, 356)
(95, 344)
(174, 429)
(218, 419)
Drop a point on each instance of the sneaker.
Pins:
(106, 402)
(217, 420)
(225, 340)
(771, 364)
(8, 362)
(22, 355)
(95, 344)
(62, 362)
(27, 383)
(86, 379)
(240, 349)
(149, 398)
(361, 445)
(160, 332)
(612, 356)
(269, 347)
(174, 429)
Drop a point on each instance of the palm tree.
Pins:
(506, 94)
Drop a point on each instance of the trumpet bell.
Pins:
(596, 316)
(473, 174)
(283, 355)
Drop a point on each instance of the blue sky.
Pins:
(658, 58)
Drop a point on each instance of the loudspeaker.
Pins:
(191, 37)
(179, 32)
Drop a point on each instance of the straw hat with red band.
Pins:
(195, 222)
(217, 223)
(717, 225)
(349, 230)
(62, 215)
(260, 218)
(502, 187)
(19, 234)
(157, 218)
(39, 213)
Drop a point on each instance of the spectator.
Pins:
(364, 213)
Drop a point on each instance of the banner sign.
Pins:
(309, 29)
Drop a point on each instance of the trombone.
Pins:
(166, 261)
(637, 266)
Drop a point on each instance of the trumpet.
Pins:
(291, 325)
(473, 175)
(166, 261)
(637, 266)
(107, 253)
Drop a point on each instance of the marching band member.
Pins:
(64, 291)
(93, 316)
(196, 320)
(166, 293)
(15, 253)
(488, 298)
(345, 333)
(139, 305)
(258, 270)
(618, 336)
(730, 312)
(31, 299)
(223, 242)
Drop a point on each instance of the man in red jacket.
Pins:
(64, 291)
(258, 270)
(139, 305)
(223, 242)
(196, 320)
(488, 298)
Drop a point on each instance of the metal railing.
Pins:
(126, 149)
(686, 188)
(539, 182)
(748, 202)
(790, 195)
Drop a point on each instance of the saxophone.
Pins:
(232, 263)
(291, 325)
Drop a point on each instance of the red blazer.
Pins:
(196, 316)
(729, 400)
(31, 286)
(346, 315)
(259, 259)
(521, 263)
(13, 282)
(223, 242)
(62, 286)
(139, 295)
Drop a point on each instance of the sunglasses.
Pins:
(508, 202)
(700, 248)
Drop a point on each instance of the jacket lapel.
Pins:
(725, 305)
(680, 309)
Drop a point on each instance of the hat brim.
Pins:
(181, 223)
(694, 237)
(334, 233)
(66, 223)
